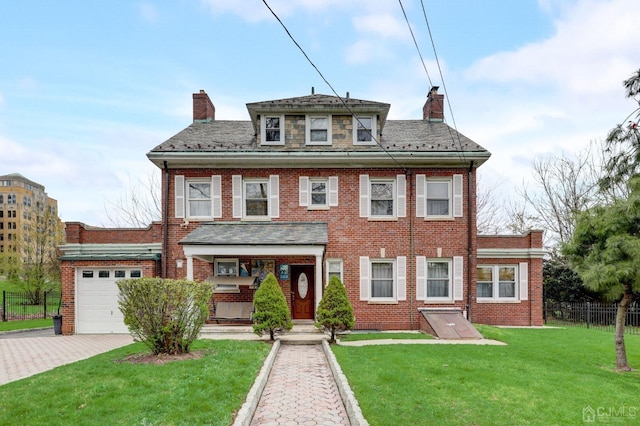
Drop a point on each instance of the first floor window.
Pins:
(497, 281)
(382, 279)
(334, 269)
(438, 280)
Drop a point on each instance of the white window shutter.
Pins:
(421, 278)
(421, 196)
(523, 274)
(333, 191)
(303, 198)
(236, 183)
(216, 196)
(364, 278)
(458, 268)
(364, 196)
(401, 190)
(274, 196)
(401, 273)
(179, 196)
(457, 195)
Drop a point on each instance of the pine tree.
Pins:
(272, 313)
(335, 312)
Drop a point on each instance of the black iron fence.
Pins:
(591, 315)
(23, 305)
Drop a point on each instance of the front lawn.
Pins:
(542, 377)
(106, 390)
(26, 324)
(355, 336)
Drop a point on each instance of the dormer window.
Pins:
(272, 129)
(318, 130)
(364, 130)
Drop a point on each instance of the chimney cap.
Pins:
(434, 90)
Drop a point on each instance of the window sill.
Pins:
(438, 218)
(318, 208)
(256, 219)
(439, 302)
(382, 219)
(497, 300)
(382, 302)
(226, 291)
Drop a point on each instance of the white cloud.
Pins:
(255, 10)
(382, 25)
(148, 12)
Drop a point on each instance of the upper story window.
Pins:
(272, 129)
(318, 130)
(318, 192)
(364, 130)
(198, 199)
(439, 198)
(256, 198)
(382, 198)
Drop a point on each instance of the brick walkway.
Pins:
(300, 390)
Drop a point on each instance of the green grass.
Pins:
(105, 390)
(25, 324)
(352, 337)
(542, 377)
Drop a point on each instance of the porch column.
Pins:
(318, 284)
(189, 267)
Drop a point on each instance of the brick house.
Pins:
(316, 186)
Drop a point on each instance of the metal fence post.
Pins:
(45, 305)
(588, 314)
(4, 305)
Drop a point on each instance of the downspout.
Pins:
(165, 221)
(469, 237)
(411, 265)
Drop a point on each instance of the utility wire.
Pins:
(373, 137)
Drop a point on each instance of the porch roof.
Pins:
(258, 233)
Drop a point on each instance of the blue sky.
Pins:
(88, 88)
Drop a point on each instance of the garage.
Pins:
(97, 300)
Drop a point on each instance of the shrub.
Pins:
(272, 313)
(335, 312)
(166, 315)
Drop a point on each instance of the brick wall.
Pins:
(79, 233)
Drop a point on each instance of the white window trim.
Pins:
(338, 261)
(521, 284)
(305, 184)
(374, 131)
(399, 265)
(455, 196)
(188, 200)
(450, 285)
(399, 196)
(456, 283)
(263, 130)
(308, 140)
(244, 199)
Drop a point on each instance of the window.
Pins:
(272, 130)
(198, 199)
(318, 130)
(497, 282)
(383, 280)
(318, 193)
(256, 199)
(438, 280)
(226, 268)
(135, 274)
(439, 198)
(364, 130)
(382, 198)
(1, 199)
(103, 274)
(334, 268)
(119, 274)
(87, 274)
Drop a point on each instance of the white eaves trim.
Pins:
(528, 253)
(95, 249)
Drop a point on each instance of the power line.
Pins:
(373, 137)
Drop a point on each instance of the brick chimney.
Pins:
(433, 109)
(203, 109)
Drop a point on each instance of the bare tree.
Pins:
(490, 218)
(139, 205)
(562, 186)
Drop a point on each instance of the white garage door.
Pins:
(97, 309)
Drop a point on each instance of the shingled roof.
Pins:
(258, 233)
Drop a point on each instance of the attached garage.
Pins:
(97, 300)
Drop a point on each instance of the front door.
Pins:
(302, 289)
